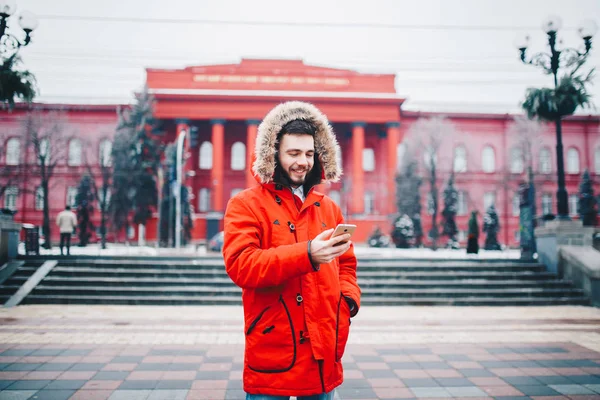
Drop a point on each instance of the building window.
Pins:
(11, 193)
(72, 196)
(235, 191)
(572, 161)
(462, 203)
(460, 159)
(597, 160)
(105, 156)
(462, 236)
(369, 203)
(206, 156)
(488, 159)
(39, 198)
(400, 151)
(429, 200)
(13, 151)
(546, 204)
(44, 152)
(489, 199)
(338, 156)
(573, 204)
(516, 205)
(130, 232)
(368, 160)
(204, 200)
(335, 196)
(516, 160)
(517, 236)
(74, 152)
(545, 161)
(238, 156)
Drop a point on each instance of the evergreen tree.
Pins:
(136, 156)
(84, 201)
(449, 213)
(403, 231)
(408, 198)
(491, 226)
(586, 204)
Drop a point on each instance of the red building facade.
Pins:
(219, 108)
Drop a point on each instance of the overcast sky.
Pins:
(448, 55)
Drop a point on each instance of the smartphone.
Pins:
(342, 229)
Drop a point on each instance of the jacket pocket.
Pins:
(342, 329)
(270, 340)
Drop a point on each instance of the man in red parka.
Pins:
(299, 286)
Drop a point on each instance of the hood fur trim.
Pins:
(326, 144)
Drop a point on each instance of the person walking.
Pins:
(299, 287)
(66, 221)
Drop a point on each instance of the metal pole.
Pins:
(179, 162)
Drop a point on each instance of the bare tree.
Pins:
(47, 140)
(10, 175)
(101, 191)
(428, 135)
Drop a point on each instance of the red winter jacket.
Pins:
(297, 317)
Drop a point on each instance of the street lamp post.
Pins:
(9, 43)
(551, 63)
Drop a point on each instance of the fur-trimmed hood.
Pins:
(326, 144)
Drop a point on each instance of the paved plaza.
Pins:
(158, 353)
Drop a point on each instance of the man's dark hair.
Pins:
(67, 207)
(297, 127)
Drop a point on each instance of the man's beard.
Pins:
(312, 177)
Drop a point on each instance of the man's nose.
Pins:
(302, 160)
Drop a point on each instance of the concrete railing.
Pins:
(582, 267)
(9, 238)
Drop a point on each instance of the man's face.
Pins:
(296, 156)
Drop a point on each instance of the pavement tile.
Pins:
(91, 395)
(367, 358)
(386, 382)
(174, 385)
(465, 364)
(129, 395)
(356, 383)
(356, 393)
(235, 385)
(420, 382)
(75, 375)
(379, 373)
(42, 375)
(393, 393)
(537, 390)
(411, 373)
(585, 379)
(188, 359)
(54, 367)
(506, 371)
(453, 357)
(205, 394)
(28, 385)
(111, 375)
(521, 380)
(65, 384)
(12, 375)
(212, 374)
(53, 394)
(22, 367)
(437, 392)
(172, 394)
(209, 384)
(215, 367)
(457, 382)
(144, 375)
(126, 360)
(179, 375)
(569, 371)
(96, 359)
(5, 384)
(101, 385)
(497, 391)
(465, 391)
(87, 367)
(119, 367)
(152, 367)
(572, 389)
(134, 385)
(17, 394)
(158, 359)
(34, 360)
(353, 374)
(593, 387)
(554, 380)
(443, 373)
(476, 373)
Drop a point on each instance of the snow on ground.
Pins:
(119, 249)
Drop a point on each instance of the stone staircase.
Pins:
(202, 280)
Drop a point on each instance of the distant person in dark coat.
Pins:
(473, 238)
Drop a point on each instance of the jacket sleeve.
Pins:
(247, 264)
(348, 282)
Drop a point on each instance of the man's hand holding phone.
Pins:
(331, 243)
